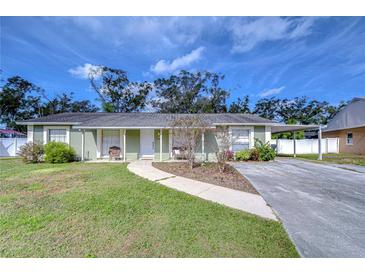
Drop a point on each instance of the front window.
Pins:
(240, 139)
(57, 135)
(349, 138)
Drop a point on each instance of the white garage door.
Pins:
(240, 139)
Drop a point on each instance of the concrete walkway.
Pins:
(244, 201)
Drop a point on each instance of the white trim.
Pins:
(170, 143)
(47, 123)
(82, 145)
(267, 134)
(47, 128)
(121, 142)
(160, 144)
(30, 133)
(97, 127)
(203, 143)
(98, 142)
(124, 144)
(248, 124)
(251, 132)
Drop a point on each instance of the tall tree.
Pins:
(19, 100)
(116, 92)
(240, 106)
(267, 108)
(189, 92)
(65, 103)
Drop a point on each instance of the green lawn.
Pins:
(340, 158)
(103, 210)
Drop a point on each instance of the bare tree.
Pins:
(188, 130)
(224, 143)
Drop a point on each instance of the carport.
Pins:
(282, 128)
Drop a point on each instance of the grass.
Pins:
(103, 210)
(340, 158)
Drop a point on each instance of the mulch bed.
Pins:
(209, 173)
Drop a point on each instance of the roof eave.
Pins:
(45, 123)
(337, 129)
(245, 124)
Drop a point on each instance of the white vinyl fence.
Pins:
(10, 146)
(305, 146)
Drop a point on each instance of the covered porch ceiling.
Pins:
(290, 128)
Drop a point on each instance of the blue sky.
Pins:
(319, 57)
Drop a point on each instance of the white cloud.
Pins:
(84, 72)
(248, 34)
(270, 92)
(164, 66)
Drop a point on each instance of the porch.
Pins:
(156, 144)
(133, 144)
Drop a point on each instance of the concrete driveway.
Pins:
(322, 207)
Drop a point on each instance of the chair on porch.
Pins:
(179, 153)
(114, 153)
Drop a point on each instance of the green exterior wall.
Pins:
(259, 133)
(38, 134)
(90, 143)
(75, 141)
(210, 147)
(165, 144)
(132, 144)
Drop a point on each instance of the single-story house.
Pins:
(349, 126)
(142, 135)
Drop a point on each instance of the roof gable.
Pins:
(351, 116)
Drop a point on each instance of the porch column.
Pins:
(120, 141)
(295, 145)
(15, 145)
(98, 142)
(160, 144)
(82, 145)
(30, 129)
(320, 143)
(124, 144)
(203, 152)
(170, 143)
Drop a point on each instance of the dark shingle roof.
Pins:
(142, 119)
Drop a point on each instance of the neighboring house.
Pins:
(140, 135)
(349, 126)
(9, 133)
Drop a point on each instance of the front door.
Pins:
(147, 143)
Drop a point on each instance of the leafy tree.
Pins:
(267, 108)
(116, 92)
(65, 103)
(19, 100)
(240, 106)
(298, 110)
(188, 92)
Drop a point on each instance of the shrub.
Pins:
(243, 155)
(57, 152)
(265, 151)
(31, 153)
